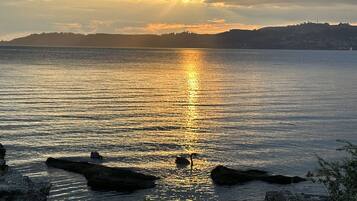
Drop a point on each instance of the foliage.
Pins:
(340, 177)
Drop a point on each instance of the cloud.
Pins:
(93, 26)
(161, 16)
(281, 2)
(96, 25)
(68, 27)
(210, 27)
(10, 36)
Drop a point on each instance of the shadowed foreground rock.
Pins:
(104, 178)
(16, 187)
(3, 165)
(2, 151)
(225, 176)
(289, 196)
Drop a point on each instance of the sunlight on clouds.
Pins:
(10, 36)
(212, 26)
(163, 16)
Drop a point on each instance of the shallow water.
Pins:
(140, 108)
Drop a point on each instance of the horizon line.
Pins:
(185, 31)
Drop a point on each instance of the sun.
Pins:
(190, 1)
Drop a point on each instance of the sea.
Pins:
(275, 110)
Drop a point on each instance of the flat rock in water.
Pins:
(104, 178)
(2, 151)
(3, 166)
(16, 187)
(289, 196)
(225, 176)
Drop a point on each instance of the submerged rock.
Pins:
(2, 151)
(96, 155)
(225, 176)
(100, 177)
(2, 162)
(289, 196)
(3, 166)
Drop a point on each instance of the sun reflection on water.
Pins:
(191, 66)
(193, 86)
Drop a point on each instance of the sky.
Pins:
(22, 17)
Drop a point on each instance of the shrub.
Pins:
(340, 177)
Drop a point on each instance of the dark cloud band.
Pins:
(283, 2)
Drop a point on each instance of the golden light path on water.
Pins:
(192, 72)
(192, 68)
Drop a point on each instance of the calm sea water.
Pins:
(140, 108)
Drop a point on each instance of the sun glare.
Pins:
(191, 65)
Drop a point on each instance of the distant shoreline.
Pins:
(168, 48)
(306, 36)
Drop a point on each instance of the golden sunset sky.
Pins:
(21, 17)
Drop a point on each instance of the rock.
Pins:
(281, 179)
(2, 151)
(100, 177)
(289, 196)
(96, 155)
(3, 167)
(225, 176)
(280, 196)
(117, 183)
(309, 174)
(16, 187)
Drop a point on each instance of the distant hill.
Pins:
(302, 36)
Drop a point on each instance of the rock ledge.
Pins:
(226, 176)
(289, 196)
(105, 178)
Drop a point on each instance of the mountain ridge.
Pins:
(302, 36)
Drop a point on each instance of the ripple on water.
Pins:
(141, 108)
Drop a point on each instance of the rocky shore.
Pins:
(289, 196)
(222, 175)
(16, 187)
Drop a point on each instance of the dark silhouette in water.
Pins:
(182, 161)
(302, 36)
(3, 165)
(225, 176)
(105, 178)
(96, 155)
(2, 151)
